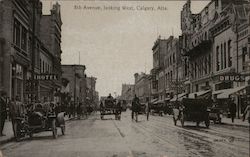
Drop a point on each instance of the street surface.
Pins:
(157, 137)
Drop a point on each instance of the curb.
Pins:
(237, 125)
(2, 142)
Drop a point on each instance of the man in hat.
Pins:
(3, 111)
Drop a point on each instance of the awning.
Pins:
(226, 93)
(166, 99)
(192, 95)
(159, 101)
(154, 100)
(180, 97)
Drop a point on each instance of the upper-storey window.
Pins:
(229, 53)
(217, 58)
(17, 33)
(24, 39)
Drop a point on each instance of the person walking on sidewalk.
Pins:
(147, 108)
(246, 114)
(232, 109)
(3, 111)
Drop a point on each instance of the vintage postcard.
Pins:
(124, 78)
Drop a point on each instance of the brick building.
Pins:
(24, 54)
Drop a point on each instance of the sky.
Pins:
(112, 44)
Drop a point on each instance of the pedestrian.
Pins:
(246, 114)
(147, 108)
(232, 109)
(3, 111)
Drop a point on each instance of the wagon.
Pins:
(110, 108)
(193, 110)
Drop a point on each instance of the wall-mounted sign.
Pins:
(43, 77)
(236, 78)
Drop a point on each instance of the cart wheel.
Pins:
(175, 121)
(16, 134)
(197, 124)
(207, 123)
(54, 129)
(31, 135)
(63, 129)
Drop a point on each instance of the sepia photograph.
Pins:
(124, 78)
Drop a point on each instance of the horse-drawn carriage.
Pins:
(195, 110)
(109, 107)
(38, 118)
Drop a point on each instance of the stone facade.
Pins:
(128, 92)
(142, 86)
(215, 43)
(77, 84)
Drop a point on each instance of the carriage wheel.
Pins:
(63, 128)
(54, 129)
(175, 121)
(182, 120)
(16, 131)
(207, 123)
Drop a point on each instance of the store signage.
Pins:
(43, 77)
(236, 78)
(46, 77)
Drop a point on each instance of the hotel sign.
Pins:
(45, 77)
(236, 78)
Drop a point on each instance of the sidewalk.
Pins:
(237, 122)
(8, 132)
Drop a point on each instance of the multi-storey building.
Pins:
(158, 75)
(91, 91)
(142, 87)
(128, 92)
(23, 54)
(77, 82)
(173, 69)
(215, 45)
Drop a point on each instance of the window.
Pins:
(17, 32)
(217, 59)
(221, 55)
(216, 3)
(173, 58)
(43, 68)
(244, 52)
(196, 88)
(229, 53)
(225, 55)
(24, 39)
